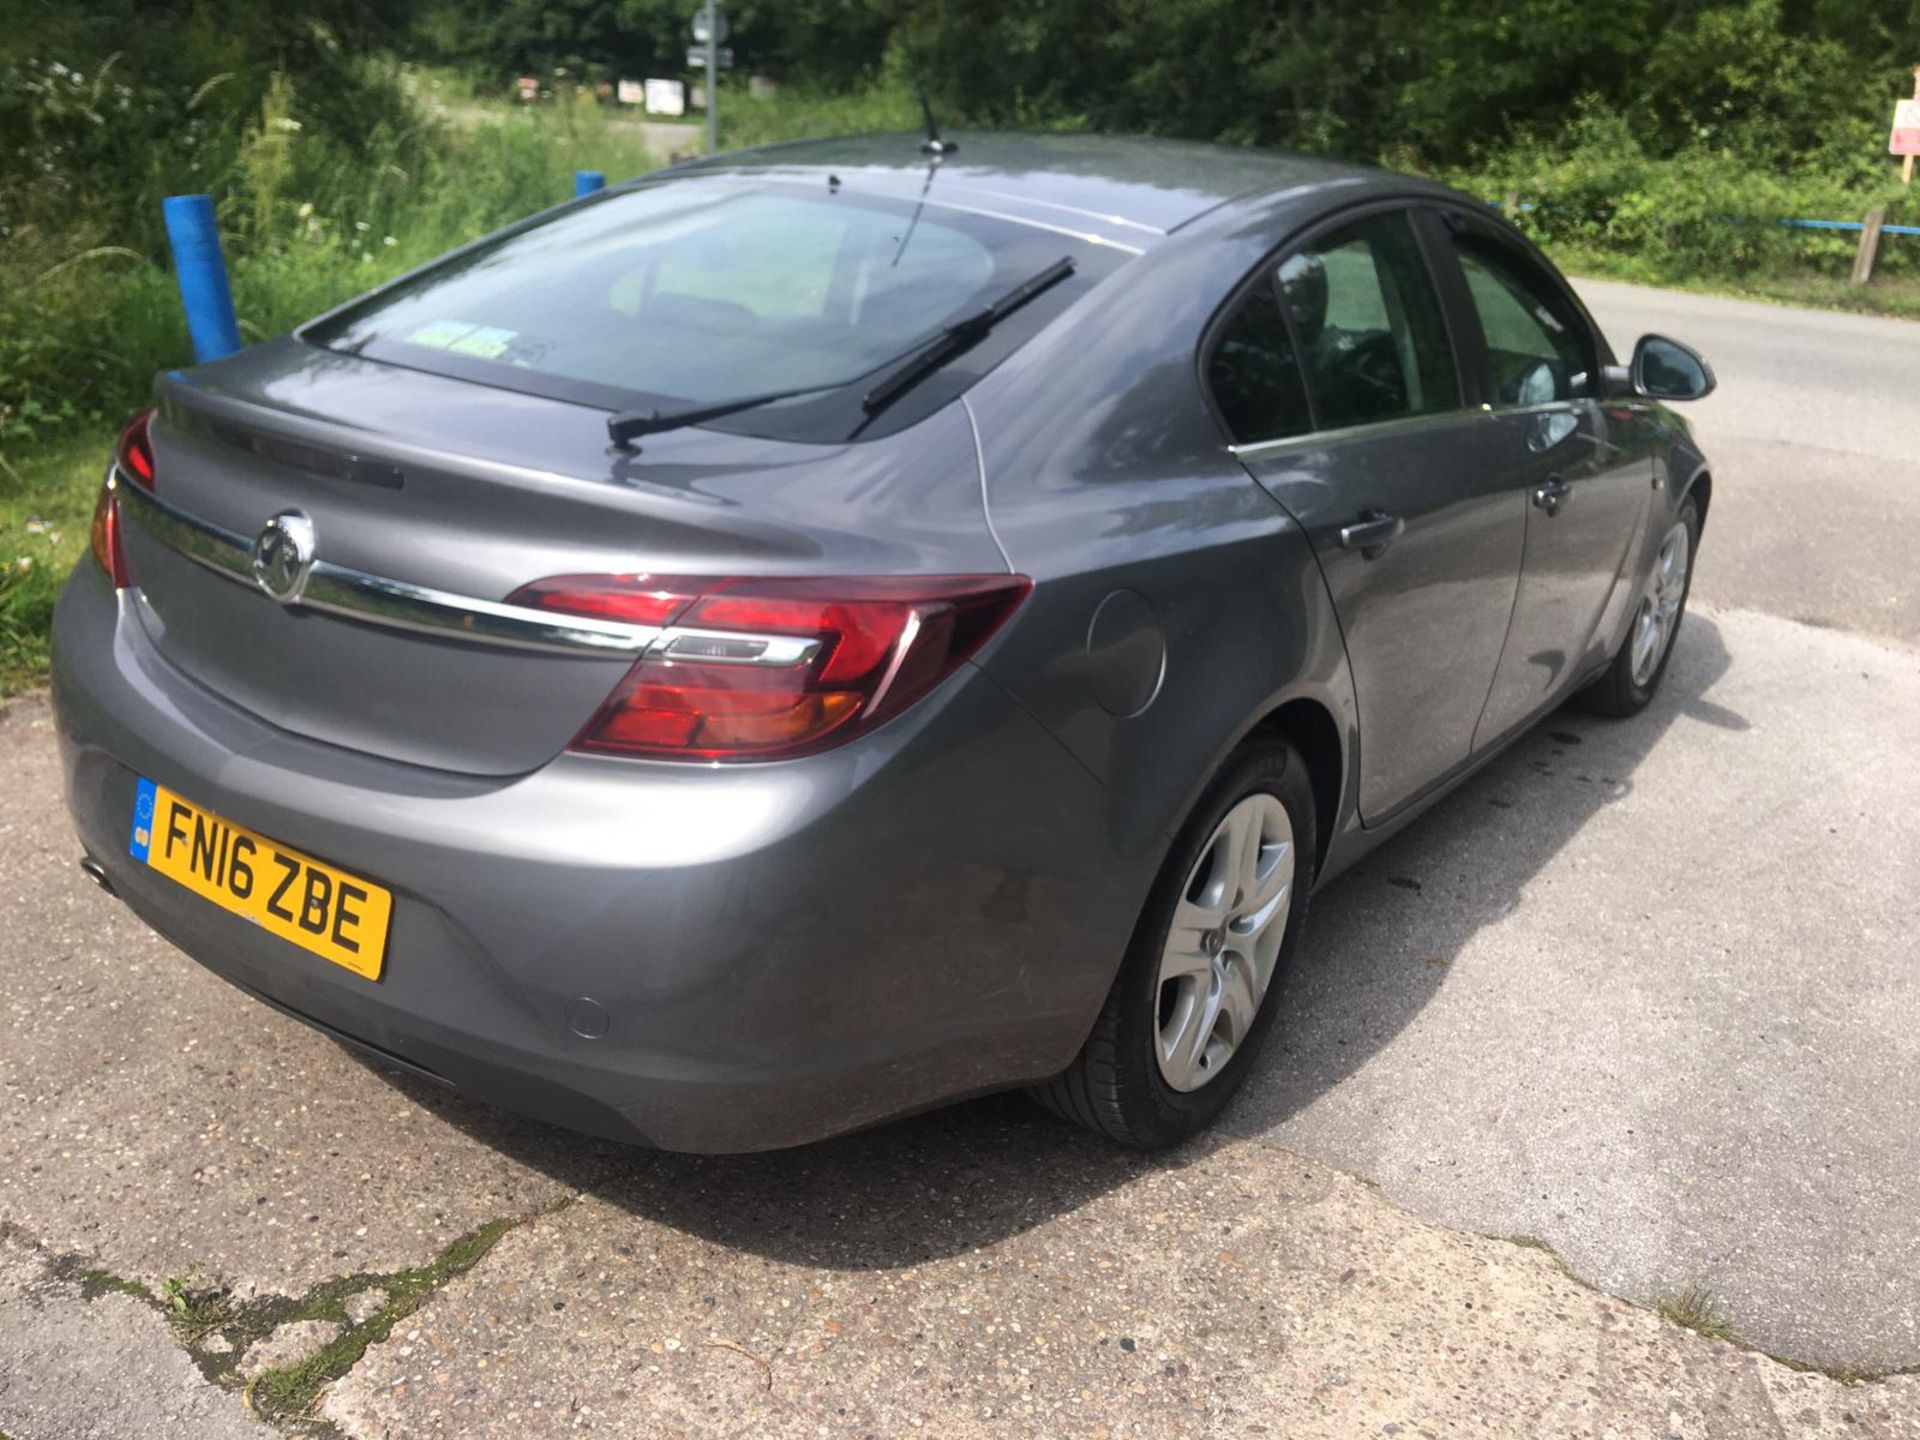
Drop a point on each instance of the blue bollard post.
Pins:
(585, 182)
(202, 273)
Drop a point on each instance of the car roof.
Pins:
(1124, 190)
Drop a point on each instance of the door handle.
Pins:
(1552, 495)
(1371, 534)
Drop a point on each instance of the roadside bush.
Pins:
(88, 309)
(797, 112)
(1591, 192)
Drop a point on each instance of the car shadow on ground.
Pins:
(1376, 950)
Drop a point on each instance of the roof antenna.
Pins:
(933, 145)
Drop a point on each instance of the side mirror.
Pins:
(1665, 369)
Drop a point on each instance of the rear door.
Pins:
(1586, 489)
(1378, 455)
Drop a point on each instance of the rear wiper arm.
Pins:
(623, 429)
(937, 350)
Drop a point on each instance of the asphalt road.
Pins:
(1643, 994)
(1817, 423)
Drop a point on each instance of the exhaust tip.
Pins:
(97, 873)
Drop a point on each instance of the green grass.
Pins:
(46, 506)
(86, 322)
(798, 114)
(195, 1308)
(1696, 1308)
(1821, 288)
(289, 1392)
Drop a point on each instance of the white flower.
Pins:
(24, 563)
(389, 240)
(306, 209)
(286, 123)
(361, 225)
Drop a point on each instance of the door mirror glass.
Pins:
(1665, 369)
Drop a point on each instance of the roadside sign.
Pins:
(1906, 129)
(720, 27)
(631, 92)
(666, 97)
(697, 57)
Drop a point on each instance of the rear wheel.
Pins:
(1629, 682)
(1193, 1001)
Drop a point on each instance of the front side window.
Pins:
(1537, 348)
(1372, 336)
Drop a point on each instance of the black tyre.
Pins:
(1193, 1001)
(1627, 684)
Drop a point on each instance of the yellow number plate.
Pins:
(337, 916)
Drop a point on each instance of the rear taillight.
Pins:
(132, 462)
(766, 669)
(106, 538)
(134, 453)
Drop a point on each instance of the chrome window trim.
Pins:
(392, 604)
(1438, 419)
(1545, 407)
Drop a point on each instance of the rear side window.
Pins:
(1537, 349)
(1254, 374)
(1373, 340)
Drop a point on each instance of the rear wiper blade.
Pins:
(623, 429)
(941, 347)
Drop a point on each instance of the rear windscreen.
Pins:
(706, 289)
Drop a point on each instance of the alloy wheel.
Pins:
(1659, 613)
(1224, 943)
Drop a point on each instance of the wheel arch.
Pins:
(1309, 726)
(1689, 475)
(1700, 491)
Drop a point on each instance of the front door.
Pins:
(1586, 495)
(1393, 479)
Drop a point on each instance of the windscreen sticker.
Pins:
(488, 342)
(462, 337)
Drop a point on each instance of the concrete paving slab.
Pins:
(986, 1273)
(158, 1121)
(1650, 991)
(105, 1368)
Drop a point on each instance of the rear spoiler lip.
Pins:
(384, 459)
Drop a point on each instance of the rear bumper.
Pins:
(781, 952)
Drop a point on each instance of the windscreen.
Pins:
(699, 291)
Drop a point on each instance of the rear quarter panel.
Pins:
(1104, 473)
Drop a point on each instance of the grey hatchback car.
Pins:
(814, 634)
